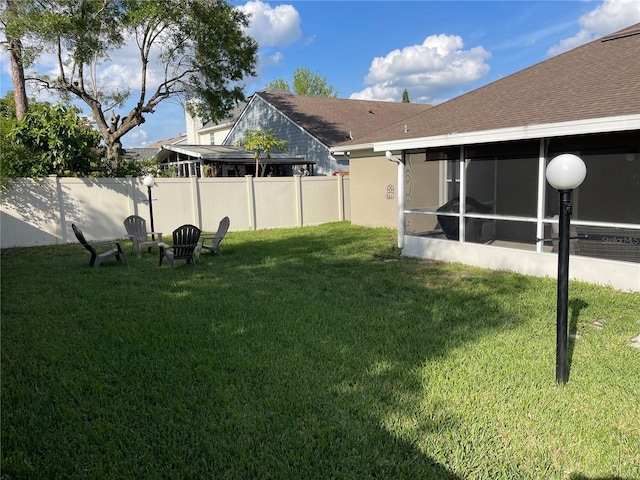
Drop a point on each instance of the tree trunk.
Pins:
(114, 152)
(17, 71)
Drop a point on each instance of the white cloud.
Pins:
(430, 71)
(137, 137)
(610, 16)
(272, 27)
(271, 60)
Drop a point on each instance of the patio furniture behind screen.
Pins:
(473, 226)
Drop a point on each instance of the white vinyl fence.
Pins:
(41, 212)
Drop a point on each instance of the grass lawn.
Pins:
(309, 353)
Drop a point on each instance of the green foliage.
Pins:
(127, 166)
(306, 83)
(222, 54)
(280, 84)
(50, 139)
(263, 142)
(10, 151)
(405, 96)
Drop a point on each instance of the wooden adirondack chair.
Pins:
(185, 243)
(214, 245)
(99, 250)
(136, 227)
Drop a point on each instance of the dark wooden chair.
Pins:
(100, 251)
(185, 245)
(136, 227)
(214, 245)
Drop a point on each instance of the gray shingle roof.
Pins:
(334, 120)
(596, 80)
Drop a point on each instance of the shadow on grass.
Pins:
(576, 305)
(291, 356)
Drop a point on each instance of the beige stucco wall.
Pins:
(374, 191)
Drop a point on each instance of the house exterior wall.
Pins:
(619, 275)
(261, 115)
(374, 191)
(511, 185)
(219, 136)
(212, 136)
(193, 124)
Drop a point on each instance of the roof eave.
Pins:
(527, 132)
(214, 128)
(341, 150)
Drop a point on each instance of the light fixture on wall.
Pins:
(564, 173)
(149, 182)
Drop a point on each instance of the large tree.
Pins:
(305, 82)
(199, 45)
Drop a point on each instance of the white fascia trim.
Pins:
(344, 150)
(577, 127)
(214, 128)
(183, 151)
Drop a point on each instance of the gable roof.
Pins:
(334, 120)
(170, 141)
(594, 81)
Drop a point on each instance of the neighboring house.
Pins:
(310, 125)
(492, 146)
(179, 140)
(201, 132)
(200, 152)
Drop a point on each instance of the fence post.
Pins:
(251, 202)
(61, 210)
(298, 206)
(340, 197)
(196, 201)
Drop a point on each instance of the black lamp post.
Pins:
(149, 182)
(564, 173)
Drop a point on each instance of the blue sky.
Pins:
(373, 50)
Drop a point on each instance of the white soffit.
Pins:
(578, 127)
